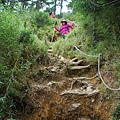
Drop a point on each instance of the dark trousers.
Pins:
(62, 35)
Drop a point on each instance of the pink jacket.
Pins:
(64, 29)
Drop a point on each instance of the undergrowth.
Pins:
(116, 113)
(20, 49)
(105, 42)
(24, 43)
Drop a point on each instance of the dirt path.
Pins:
(67, 90)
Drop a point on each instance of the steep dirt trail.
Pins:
(66, 90)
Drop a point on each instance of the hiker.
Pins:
(64, 29)
(52, 15)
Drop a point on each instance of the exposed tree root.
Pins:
(64, 60)
(74, 60)
(78, 92)
(79, 67)
(53, 83)
(83, 78)
(79, 79)
(50, 51)
(72, 63)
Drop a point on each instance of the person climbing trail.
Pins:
(64, 29)
(52, 15)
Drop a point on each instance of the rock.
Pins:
(76, 105)
(73, 107)
(50, 83)
(54, 69)
(93, 100)
(93, 92)
(89, 89)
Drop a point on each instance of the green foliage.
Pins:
(20, 5)
(116, 113)
(20, 49)
(99, 27)
(25, 36)
(9, 32)
(45, 33)
(86, 5)
(40, 19)
(9, 35)
(39, 45)
(42, 25)
(65, 47)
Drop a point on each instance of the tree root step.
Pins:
(50, 51)
(79, 67)
(78, 92)
(72, 63)
(84, 78)
(74, 60)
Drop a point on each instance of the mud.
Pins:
(55, 95)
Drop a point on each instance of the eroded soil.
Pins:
(59, 93)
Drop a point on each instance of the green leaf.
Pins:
(2, 99)
(1, 83)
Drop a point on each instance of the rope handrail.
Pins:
(99, 73)
(85, 53)
(102, 78)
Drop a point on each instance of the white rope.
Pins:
(99, 73)
(101, 76)
(85, 53)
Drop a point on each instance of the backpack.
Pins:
(66, 26)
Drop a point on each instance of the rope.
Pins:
(102, 78)
(85, 53)
(99, 73)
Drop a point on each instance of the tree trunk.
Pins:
(55, 6)
(61, 5)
